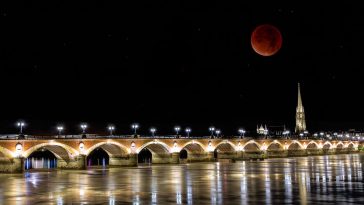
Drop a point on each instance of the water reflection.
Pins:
(306, 180)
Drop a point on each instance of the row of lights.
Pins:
(136, 126)
(188, 130)
(338, 136)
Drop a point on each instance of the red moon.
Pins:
(266, 40)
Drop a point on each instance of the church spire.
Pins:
(300, 114)
(299, 101)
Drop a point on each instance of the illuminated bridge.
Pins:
(76, 152)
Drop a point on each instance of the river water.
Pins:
(336, 179)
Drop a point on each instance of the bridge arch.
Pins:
(226, 146)
(154, 152)
(351, 145)
(251, 146)
(60, 151)
(339, 145)
(312, 145)
(295, 145)
(193, 147)
(327, 145)
(5, 153)
(275, 146)
(155, 146)
(113, 149)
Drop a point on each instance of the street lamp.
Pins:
(153, 130)
(212, 129)
(217, 132)
(21, 124)
(315, 135)
(83, 127)
(335, 135)
(241, 132)
(60, 129)
(111, 129)
(305, 133)
(188, 130)
(286, 133)
(135, 126)
(322, 135)
(301, 135)
(177, 129)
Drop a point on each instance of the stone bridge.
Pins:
(72, 153)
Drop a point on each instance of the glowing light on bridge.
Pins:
(81, 146)
(132, 147)
(264, 147)
(286, 145)
(18, 150)
(240, 148)
(175, 147)
(209, 147)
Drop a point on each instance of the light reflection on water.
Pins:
(306, 180)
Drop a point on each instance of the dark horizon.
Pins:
(167, 63)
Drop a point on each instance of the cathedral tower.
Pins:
(300, 114)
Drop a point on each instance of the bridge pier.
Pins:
(210, 157)
(14, 165)
(297, 153)
(175, 158)
(253, 155)
(226, 156)
(314, 151)
(161, 158)
(277, 153)
(130, 160)
(79, 162)
(239, 155)
(200, 157)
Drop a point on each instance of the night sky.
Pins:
(161, 63)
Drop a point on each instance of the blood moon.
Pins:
(266, 40)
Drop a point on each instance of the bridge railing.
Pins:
(95, 136)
